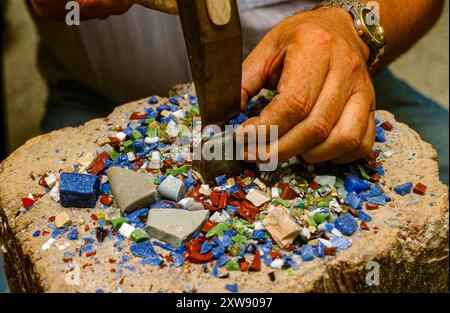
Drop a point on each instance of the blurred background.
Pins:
(425, 67)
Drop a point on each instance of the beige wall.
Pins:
(425, 67)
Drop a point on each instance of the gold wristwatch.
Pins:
(367, 24)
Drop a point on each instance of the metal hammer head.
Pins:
(213, 36)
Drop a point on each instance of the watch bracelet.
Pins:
(347, 5)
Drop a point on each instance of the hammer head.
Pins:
(213, 36)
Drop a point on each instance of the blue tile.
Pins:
(78, 190)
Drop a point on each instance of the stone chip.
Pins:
(172, 188)
(175, 226)
(131, 190)
(62, 220)
(281, 226)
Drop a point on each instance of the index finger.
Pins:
(301, 81)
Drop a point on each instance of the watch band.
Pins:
(354, 8)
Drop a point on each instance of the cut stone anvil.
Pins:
(175, 226)
(131, 190)
(225, 162)
(410, 244)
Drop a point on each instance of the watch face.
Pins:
(373, 25)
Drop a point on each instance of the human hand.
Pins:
(89, 9)
(167, 6)
(325, 104)
(102, 9)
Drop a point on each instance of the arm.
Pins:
(405, 22)
(55, 9)
(89, 9)
(317, 62)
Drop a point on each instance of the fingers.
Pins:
(261, 63)
(168, 6)
(320, 127)
(365, 147)
(300, 84)
(348, 134)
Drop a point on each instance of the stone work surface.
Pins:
(409, 237)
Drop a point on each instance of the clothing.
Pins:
(141, 52)
(423, 115)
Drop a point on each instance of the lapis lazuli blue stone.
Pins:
(153, 100)
(221, 180)
(238, 120)
(380, 170)
(73, 235)
(206, 247)
(151, 113)
(307, 252)
(232, 287)
(231, 209)
(222, 260)
(340, 243)
(353, 201)
(105, 188)
(78, 190)
(380, 135)
(152, 261)
(162, 107)
(218, 251)
(259, 234)
(363, 216)
(320, 250)
(356, 184)
(134, 216)
(375, 190)
(346, 224)
(144, 250)
(193, 100)
(404, 189)
(160, 204)
(178, 259)
(380, 199)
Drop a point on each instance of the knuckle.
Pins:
(322, 37)
(350, 142)
(320, 129)
(298, 106)
(352, 60)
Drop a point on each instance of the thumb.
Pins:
(258, 68)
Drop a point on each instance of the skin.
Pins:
(316, 61)
(89, 9)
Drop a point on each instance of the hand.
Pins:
(89, 9)
(326, 102)
(167, 6)
(102, 9)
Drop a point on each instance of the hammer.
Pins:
(213, 36)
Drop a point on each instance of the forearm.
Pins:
(405, 22)
(89, 9)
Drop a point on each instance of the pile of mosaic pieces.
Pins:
(151, 196)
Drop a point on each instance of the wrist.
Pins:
(344, 23)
